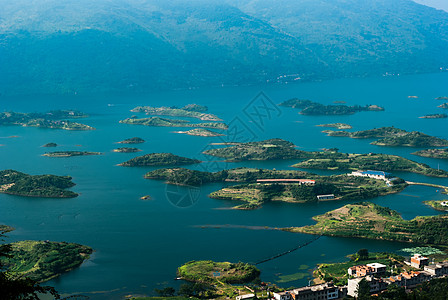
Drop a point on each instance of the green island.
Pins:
(134, 140)
(434, 116)
(325, 160)
(50, 145)
(443, 105)
(70, 153)
(127, 150)
(442, 98)
(5, 228)
(391, 136)
(47, 186)
(200, 132)
(159, 159)
(336, 125)
(189, 111)
(44, 260)
(433, 153)
(337, 272)
(371, 221)
(56, 119)
(162, 122)
(309, 107)
(437, 205)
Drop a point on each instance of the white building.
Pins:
(283, 296)
(246, 297)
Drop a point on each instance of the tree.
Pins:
(22, 288)
(363, 290)
(363, 254)
(165, 292)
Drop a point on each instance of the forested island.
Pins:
(159, 159)
(127, 150)
(46, 186)
(134, 140)
(162, 122)
(189, 111)
(44, 260)
(331, 160)
(336, 125)
(433, 153)
(70, 153)
(442, 98)
(201, 132)
(371, 221)
(443, 105)
(309, 107)
(50, 145)
(56, 119)
(391, 136)
(434, 116)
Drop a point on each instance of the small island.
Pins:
(434, 116)
(393, 137)
(433, 153)
(126, 150)
(309, 107)
(444, 105)
(45, 186)
(336, 125)
(188, 111)
(442, 98)
(50, 145)
(438, 205)
(162, 122)
(146, 197)
(371, 221)
(200, 132)
(70, 153)
(56, 119)
(44, 260)
(159, 159)
(134, 140)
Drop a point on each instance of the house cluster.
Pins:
(315, 292)
(372, 274)
(372, 174)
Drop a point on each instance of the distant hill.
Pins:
(63, 46)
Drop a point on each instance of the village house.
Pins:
(376, 285)
(246, 297)
(325, 197)
(325, 291)
(418, 261)
(283, 296)
(438, 269)
(369, 269)
(408, 279)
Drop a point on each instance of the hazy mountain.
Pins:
(65, 46)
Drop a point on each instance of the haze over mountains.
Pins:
(60, 46)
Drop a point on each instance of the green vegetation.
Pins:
(342, 186)
(368, 220)
(200, 132)
(336, 125)
(42, 261)
(437, 205)
(425, 251)
(337, 272)
(159, 159)
(371, 161)
(189, 111)
(127, 150)
(313, 108)
(164, 298)
(48, 186)
(134, 140)
(5, 228)
(207, 271)
(391, 136)
(433, 153)
(161, 122)
(54, 119)
(434, 116)
(50, 145)
(70, 153)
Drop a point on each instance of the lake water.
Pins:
(139, 244)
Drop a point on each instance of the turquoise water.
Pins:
(139, 244)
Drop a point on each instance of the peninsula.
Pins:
(438, 205)
(433, 153)
(159, 159)
(46, 186)
(309, 107)
(434, 116)
(134, 140)
(70, 153)
(391, 136)
(56, 119)
(200, 132)
(162, 122)
(127, 150)
(44, 260)
(188, 111)
(371, 221)
(326, 160)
